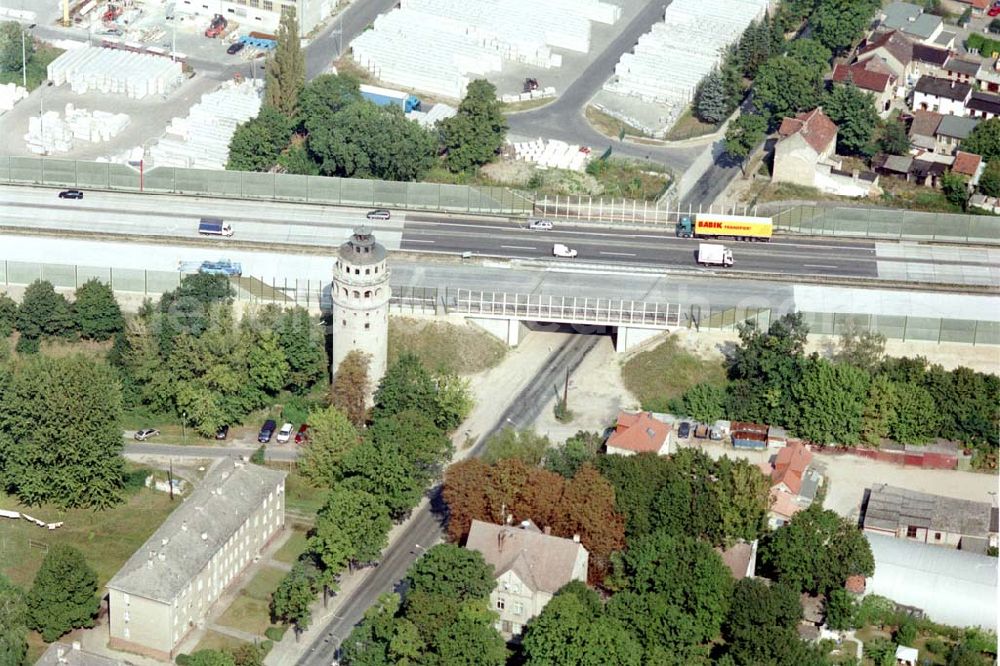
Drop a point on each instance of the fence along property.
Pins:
(315, 295)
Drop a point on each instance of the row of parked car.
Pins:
(701, 431)
(264, 436)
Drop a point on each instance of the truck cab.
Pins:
(685, 227)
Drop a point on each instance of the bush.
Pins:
(562, 413)
(135, 480)
(267, 646)
(906, 633)
(936, 646)
(994, 26)
(296, 410)
(183, 659)
(276, 633)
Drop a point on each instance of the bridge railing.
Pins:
(571, 309)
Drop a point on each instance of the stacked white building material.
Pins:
(668, 62)
(11, 94)
(113, 71)
(552, 154)
(55, 134)
(437, 113)
(201, 139)
(436, 46)
(541, 93)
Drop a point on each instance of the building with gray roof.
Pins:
(530, 566)
(934, 519)
(949, 586)
(168, 586)
(912, 21)
(61, 654)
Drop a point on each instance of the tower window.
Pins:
(368, 271)
(368, 326)
(343, 322)
(368, 294)
(357, 294)
(357, 271)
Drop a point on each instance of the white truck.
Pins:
(713, 254)
(560, 250)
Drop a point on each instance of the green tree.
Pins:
(452, 400)
(893, 139)
(324, 96)
(712, 103)
(61, 432)
(349, 391)
(44, 313)
(474, 135)
(784, 86)
(704, 402)
(816, 552)
(756, 604)
(291, 600)
(8, 315)
(98, 316)
(362, 517)
(248, 655)
(406, 385)
(831, 399)
(301, 340)
(470, 641)
(296, 159)
(418, 440)
(839, 610)
(369, 643)
(64, 594)
(880, 410)
(984, 140)
(989, 181)
(566, 460)
(955, 188)
(13, 624)
(810, 53)
(382, 470)
(743, 135)
(331, 439)
(211, 658)
(257, 143)
(453, 572)
(637, 480)
(914, 415)
(906, 632)
(286, 69)
(838, 23)
(854, 113)
(863, 349)
(10, 46)
(525, 445)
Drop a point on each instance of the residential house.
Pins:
(942, 95)
(983, 105)
(61, 654)
(794, 483)
(988, 76)
(912, 21)
(639, 432)
(529, 565)
(960, 69)
(806, 141)
(933, 519)
(969, 165)
(923, 129)
(928, 60)
(895, 166)
(891, 50)
(949, 586)
(951, 131)
(978, 7)
(169, 585)
(879, 84)
(928, 168)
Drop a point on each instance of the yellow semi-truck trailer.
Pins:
(739, 227)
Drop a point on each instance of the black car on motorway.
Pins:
(71, 194)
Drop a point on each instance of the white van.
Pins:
(560, 250)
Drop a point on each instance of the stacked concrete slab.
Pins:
(552, 154)
(436, 46)
(201, 139)
(112, 71)
(670, 60)
(55, 134)
(11, 94)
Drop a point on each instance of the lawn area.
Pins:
(106, 538)
(444, 346)
(301, 499)
(608, 125)
(643, 181)
(215, 641)
(688, 126)
(665, 372)
(37, 67)
(249, 611)
(295, 546)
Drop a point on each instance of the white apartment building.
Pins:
(168, 586)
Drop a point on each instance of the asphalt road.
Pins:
(424, 528)
(180, 451)
(320, 228)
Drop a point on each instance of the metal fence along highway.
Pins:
(315, 296)
(270, 186)
(891, 224)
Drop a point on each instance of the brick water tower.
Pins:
(360, 292)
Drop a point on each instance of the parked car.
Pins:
(560, 250)
(285, 433)
(540, 225)
(994, 9)
(701, 431)
(684, 430)
(378, 214)
(71, 194)
(222, 432)
(266, 431)
(235, 48)
(302, 435)
(146, 433)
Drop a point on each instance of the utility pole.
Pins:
(170, 479)
(566, 392)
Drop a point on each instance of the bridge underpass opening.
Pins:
(512, 331)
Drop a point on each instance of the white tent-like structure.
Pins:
(951, 586)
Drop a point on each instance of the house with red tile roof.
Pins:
(789, 467)
(793, 482)
(967, 164)
(639, 432)
(868, 77)
(892, 49)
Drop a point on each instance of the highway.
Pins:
(174, 217)
(424, 527)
